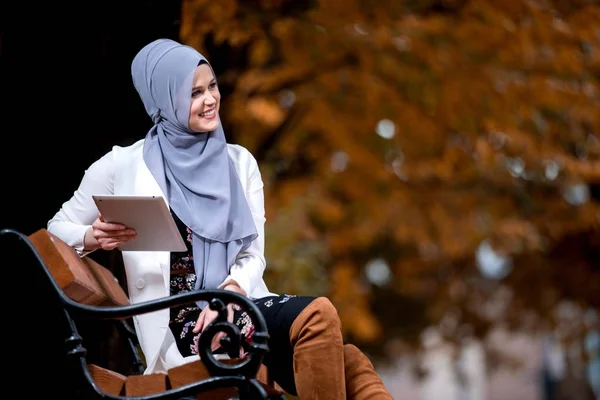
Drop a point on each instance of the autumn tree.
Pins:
(426, 137)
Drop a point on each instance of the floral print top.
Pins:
(183, 318)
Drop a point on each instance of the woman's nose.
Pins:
(210, 99)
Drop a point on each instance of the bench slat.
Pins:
(109, 381)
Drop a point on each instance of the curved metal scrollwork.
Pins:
(249, 365)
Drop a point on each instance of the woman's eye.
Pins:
(212, 85)
(196, 93)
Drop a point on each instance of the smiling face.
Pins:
(204, 110)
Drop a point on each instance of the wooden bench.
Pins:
(86, 289)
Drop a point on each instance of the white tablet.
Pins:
(148, 215)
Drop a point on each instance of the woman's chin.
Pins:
(206, 127)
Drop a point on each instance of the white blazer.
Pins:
(122, 171)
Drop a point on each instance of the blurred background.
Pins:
(432, 166)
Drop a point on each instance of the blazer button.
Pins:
(140, 283)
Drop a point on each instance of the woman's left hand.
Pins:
(207, 316)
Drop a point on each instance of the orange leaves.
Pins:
(517, 237)
(282, 28)
(266, 111)
(351, 300)
(492, 133)
(588, 171)
(260, 53)
(271, 4)
(329, 212)
(200, 17)
(226, 21)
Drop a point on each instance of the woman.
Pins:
(215, 193)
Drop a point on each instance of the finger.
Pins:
(200, 322)
(114, 235)
(114, 240)
(216, 342)
(101, 224)
(123, 238)
(230, 313)
(110, 244)
(209, 318)
(111, 226)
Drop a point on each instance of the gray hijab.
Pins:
(193, 169)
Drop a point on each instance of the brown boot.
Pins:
(316, 339)
(362, 382)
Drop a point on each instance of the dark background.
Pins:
(67, 95)
(66, 98)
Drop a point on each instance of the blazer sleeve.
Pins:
(250, 264)
(78, 213)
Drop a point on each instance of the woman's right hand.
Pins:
(107, 235)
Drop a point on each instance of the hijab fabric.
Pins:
(193, 169)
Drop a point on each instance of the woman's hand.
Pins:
(107, 235)
(207, 316)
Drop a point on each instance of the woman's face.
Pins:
(204, 110)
